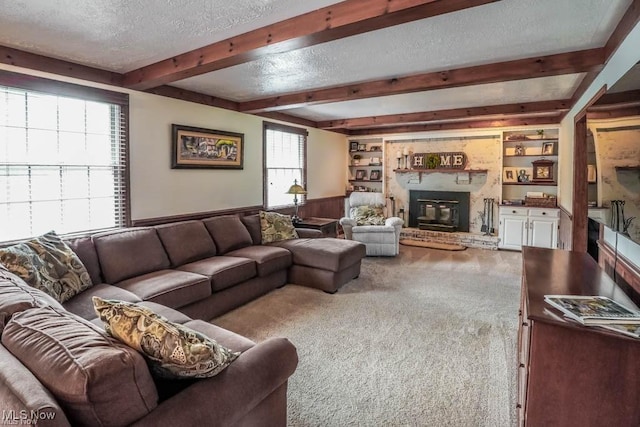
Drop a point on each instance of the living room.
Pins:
(331, 83)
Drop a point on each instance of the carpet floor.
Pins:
(427, 338)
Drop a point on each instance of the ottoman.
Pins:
(325, 263)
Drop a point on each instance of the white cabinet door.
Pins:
(513, 231)
(543, 232)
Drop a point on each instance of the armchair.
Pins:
(365, 222)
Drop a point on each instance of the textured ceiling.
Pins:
(122, 35)
(540, 89)
(125, 35)
(492, 33)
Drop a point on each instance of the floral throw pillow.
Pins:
(173, 350)
(368, 215)
(49, 264)
(275, 227)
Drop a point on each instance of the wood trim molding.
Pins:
(344, 19)
(550, 120)
(629, 20)
(20, 58)
(451, 114)
(540, 66)
(147, 222)
(614, 113)
(580, 190)
(198, 98)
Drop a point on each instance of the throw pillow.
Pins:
(174, 351)
(367, 215)
(275, 227)
(47, 263)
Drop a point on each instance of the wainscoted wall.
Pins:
(483, 152)
(617, 143)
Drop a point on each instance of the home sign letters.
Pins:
(455, 160)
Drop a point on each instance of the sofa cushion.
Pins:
(223, 271)
(86, 251)
(174, 351)
(48, 264)
(367, 215)
(228, 232)
(268, 259)
(97, 380)
(252, 222)
(186, 241)
(224, 337)
(173, 288)
(326, 254)
(275, 227)
(130, 252)
(17, 296)
(21, 391)
(82, 305)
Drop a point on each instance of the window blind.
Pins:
(63, 159)
(285, 162)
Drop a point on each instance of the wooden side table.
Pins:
(328, 226)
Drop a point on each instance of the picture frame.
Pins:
(200, 148)
(510, 174)
(547, 148)
(375, 175)
(361, 174)
(362, 147)
(375, 148)
(591, 173)
(353, 146)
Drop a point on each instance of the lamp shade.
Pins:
(296, 188)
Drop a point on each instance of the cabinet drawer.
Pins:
(544, 212)
(512, 210)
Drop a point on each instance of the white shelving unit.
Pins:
(366, 165)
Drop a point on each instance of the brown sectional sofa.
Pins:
(183, 271)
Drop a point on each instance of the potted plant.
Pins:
(540, 133)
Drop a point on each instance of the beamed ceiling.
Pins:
(359, 67)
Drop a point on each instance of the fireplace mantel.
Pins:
(442, 170)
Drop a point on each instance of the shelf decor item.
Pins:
(356, 160)
(547, 149)
(542, 170)
(510, 174)
(353, 146)
(375, 175)
(361, 174)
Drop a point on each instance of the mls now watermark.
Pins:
(24, 417)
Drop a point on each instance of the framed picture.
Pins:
(375, 175)
(375, 148)
(353, 146)
(510, 174)
(547, 148)
(206, 148)
(361, 174)
(362, 147)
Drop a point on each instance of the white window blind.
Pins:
(285, 161)
(63, 163)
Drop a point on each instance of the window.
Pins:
(285, 161)
(63, 157)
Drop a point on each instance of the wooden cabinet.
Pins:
(522, 226)
(569, 374)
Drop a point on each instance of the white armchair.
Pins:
(380, 240)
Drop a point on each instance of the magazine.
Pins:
(593, 310)
(631, 330)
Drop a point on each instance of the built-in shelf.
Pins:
(365, 180)
(547, 184)
(531, 155)
(364, 166)
(365, 151)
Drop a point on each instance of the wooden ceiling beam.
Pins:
(198, 98)
(540, 66)
(512, 122)
(451, 114)
(344, 19)
(615, 113)
(628, 97)
(20, 58)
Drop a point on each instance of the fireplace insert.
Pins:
(439, 210)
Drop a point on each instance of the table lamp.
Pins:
(296, 189)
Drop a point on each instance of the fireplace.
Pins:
(439, 210)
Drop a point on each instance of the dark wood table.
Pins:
(328, 226)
